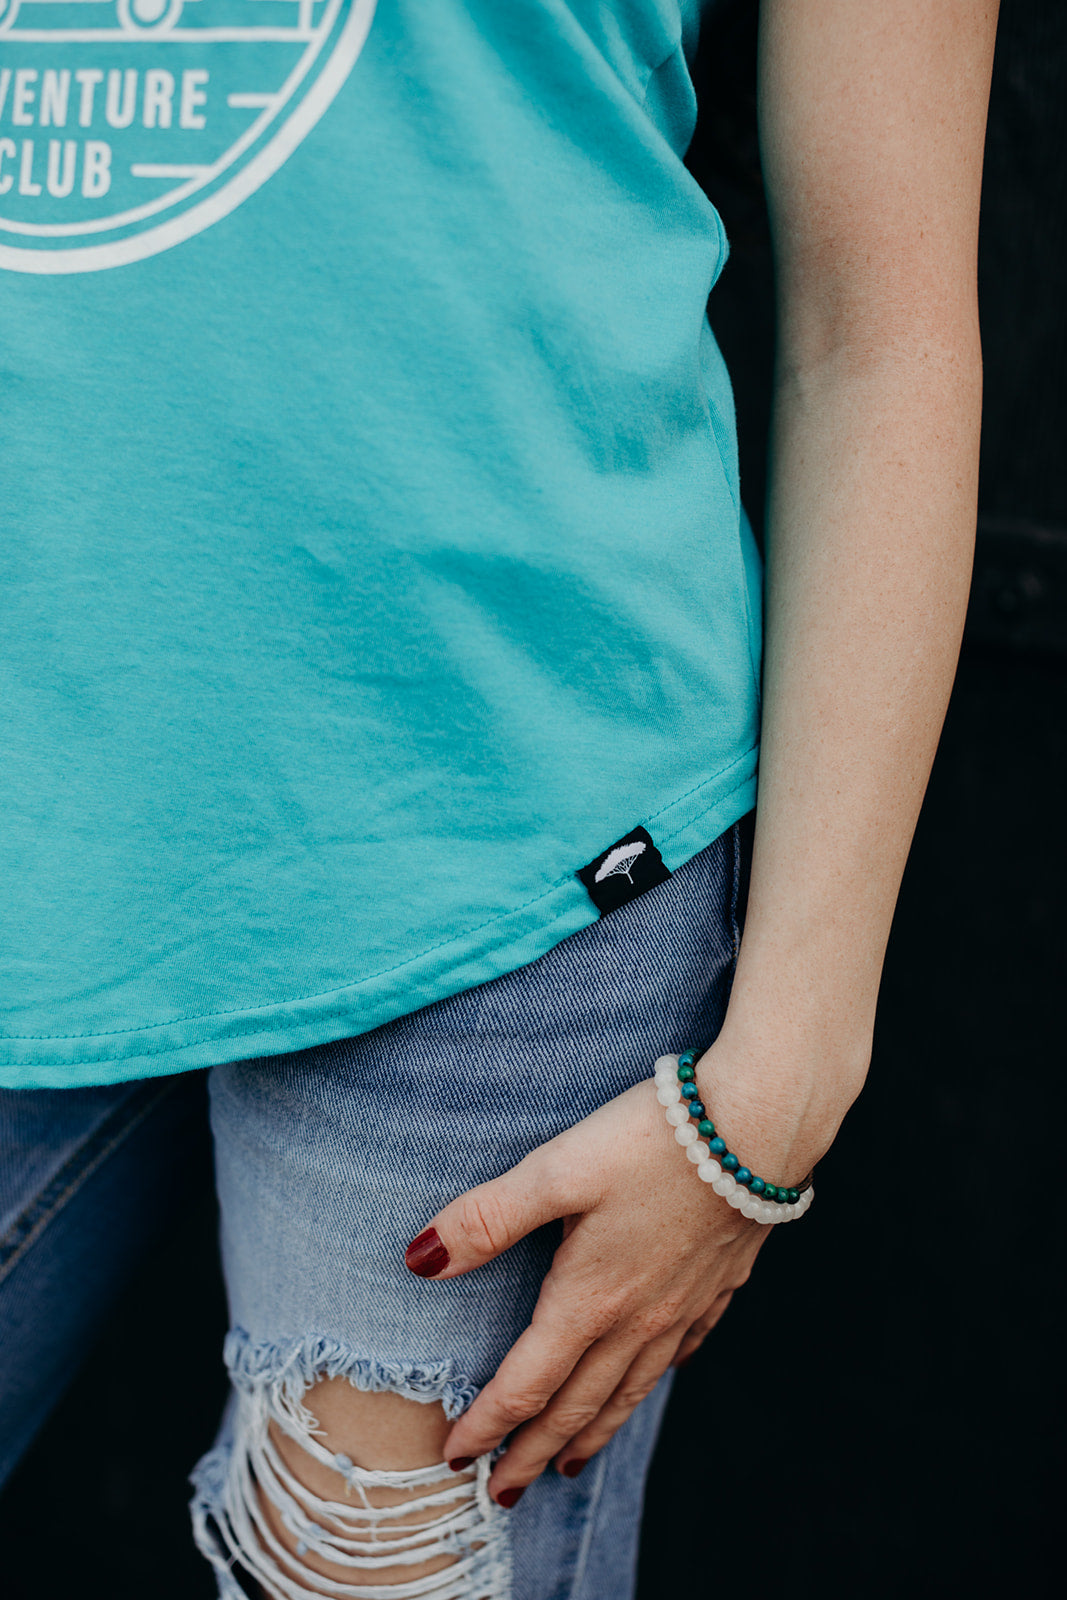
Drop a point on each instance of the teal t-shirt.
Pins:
(372, 552)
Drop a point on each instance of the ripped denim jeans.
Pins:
(328, 1162)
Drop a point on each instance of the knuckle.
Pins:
(512, 1409)
(629, 1395)
(608, 1310)
(594, 1323)
(552, 1169)
(591, 1321)
(481, 1223)
(656, 1320)
(569, 1420)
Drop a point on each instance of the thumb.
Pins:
(488, 1220)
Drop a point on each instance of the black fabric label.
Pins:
(625, 870)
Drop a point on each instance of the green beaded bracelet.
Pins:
(783, 1195)
(742, 1188)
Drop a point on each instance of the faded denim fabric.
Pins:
(328, 1162)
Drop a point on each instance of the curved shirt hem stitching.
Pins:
(383, 972)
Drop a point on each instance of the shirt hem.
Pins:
(511, 939)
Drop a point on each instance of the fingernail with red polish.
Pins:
(426, 1255)
(571, 1469)
(461, 1463)
(509, 1497)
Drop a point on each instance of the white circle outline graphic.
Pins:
(296, 127)
(174, 197)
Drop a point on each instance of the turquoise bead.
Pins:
(686, 1074)
(757, 1186)
(687, 1058)
(706, 1129)
(696, 1109)
(770, 1192)
(743, 1175)
(730, 1162)
(689, 1091)
(717, 1146)
(793, 1195)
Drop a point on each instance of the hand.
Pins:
(649, 1261)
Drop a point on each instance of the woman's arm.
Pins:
(872, 122)
(872, 126)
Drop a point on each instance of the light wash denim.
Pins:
(328, 1162)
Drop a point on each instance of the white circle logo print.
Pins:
(127, 126)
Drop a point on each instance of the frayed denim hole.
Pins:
(232, 1529)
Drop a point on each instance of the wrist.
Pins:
(779, 1104)
(757, 1198)
(799, 1046)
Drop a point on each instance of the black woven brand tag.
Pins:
(625, 870)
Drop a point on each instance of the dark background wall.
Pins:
(877, 1414)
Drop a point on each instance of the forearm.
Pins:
(870, 539)
(872, 122)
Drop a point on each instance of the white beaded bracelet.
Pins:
(738, 1195)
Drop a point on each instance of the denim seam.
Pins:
(735, 893)
(383, 972)
(590, 1520)
(61, 1188)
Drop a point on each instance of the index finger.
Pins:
(538, 1363)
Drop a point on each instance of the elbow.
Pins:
(926, 352)
(855, 323)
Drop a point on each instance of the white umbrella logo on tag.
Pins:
(128, 126)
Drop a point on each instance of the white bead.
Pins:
(738, 1197)
(686, 1134)
(724, 1184)
(676, 1115)
(767, 1210)
(696, 1152)
(667, 1064)
(750, 1208)
(669, 1094)
(709, 1170)
(787, 1212)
